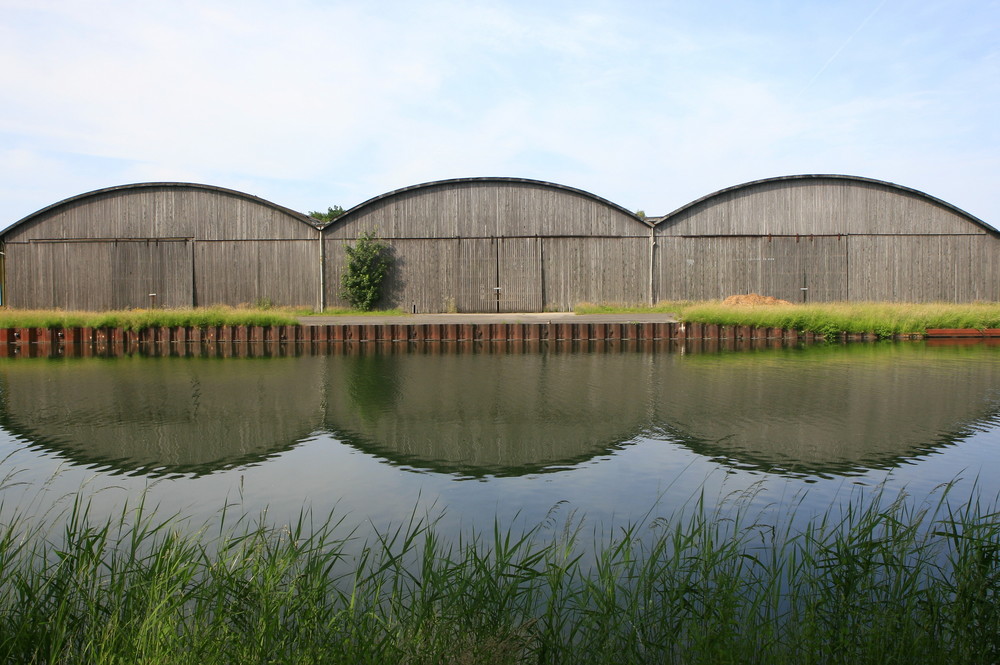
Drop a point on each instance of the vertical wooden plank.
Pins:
(520, 276)
(476, 284)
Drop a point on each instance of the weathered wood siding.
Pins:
(485, 208)
(711, 268)
(597, 270)
(822, 238)
(165, 210)
(189, 244)
(816, 205)
(99, 274)
(284, 272)
(503, 244)
(924, 268)
(497, 245)
(520, 282)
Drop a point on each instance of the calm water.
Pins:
(473, 435)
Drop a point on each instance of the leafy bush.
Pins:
(368, 262)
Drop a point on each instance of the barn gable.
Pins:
(498, 244)
(502, 245)
(188, 244)
(819, 205)
(814, 238)
(487, 208)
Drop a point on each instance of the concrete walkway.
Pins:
(543, 317)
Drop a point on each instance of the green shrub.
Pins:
(368, 263)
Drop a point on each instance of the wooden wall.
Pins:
(717, 267)
(163, 210)
(498, 245)
(188, 244)
(503, 245)
(822, 238)
(816, 205)
(929, 268)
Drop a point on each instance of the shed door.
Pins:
(520, 279)
(499, 275)
(476, 280)
(103, 273)
(142, 268)
(800, 269)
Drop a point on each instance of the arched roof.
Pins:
(665, 220)
(485, 180)
(305, 219)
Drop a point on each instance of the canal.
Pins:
(468, 434)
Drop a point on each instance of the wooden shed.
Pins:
(189, 244)
(502, 245)
(498, 245)
(826, 237)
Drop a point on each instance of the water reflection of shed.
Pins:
(813, 412)
(163, 415)
(818, 411)
(488, 413)
(831, 410)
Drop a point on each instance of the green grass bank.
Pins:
(876, 581)
(140, 319)
(828, 319)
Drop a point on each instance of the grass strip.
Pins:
(828, 319)
(876, 581)
(139, 319)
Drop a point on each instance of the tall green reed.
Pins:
(876, 579)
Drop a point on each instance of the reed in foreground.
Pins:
(878, 581)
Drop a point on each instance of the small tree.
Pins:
(368, 262)
(328, 216)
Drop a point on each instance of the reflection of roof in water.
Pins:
(835, 409)
(487, 414)
(161, 416)
(827, 410)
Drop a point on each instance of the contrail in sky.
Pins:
(841, 49)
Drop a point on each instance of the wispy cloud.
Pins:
(311, 103)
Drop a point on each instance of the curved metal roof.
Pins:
(830, 176)
(305, 219)
(486, 180)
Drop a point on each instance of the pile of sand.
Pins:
(754, 299)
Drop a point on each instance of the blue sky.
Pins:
(310, 103)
